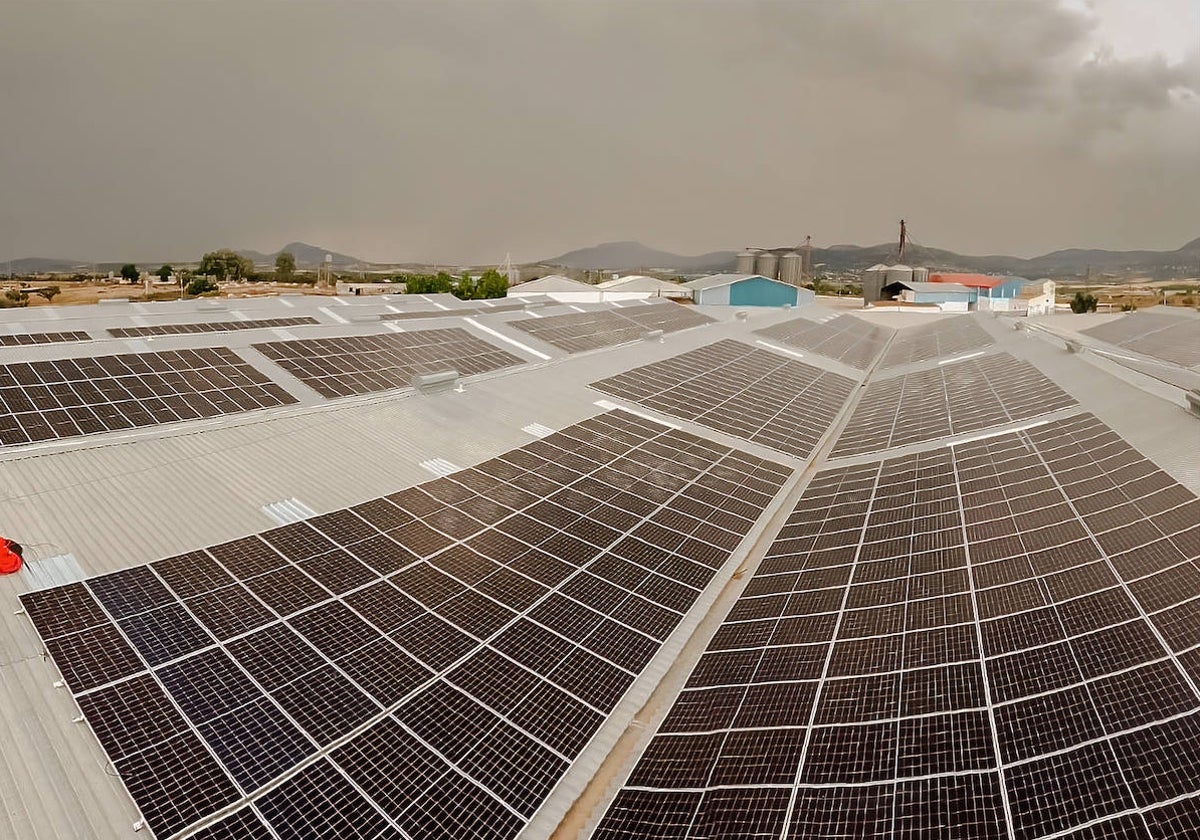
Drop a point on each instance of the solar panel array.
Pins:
(942, 338)
(71, 397)
(845, 338)
(1172, 338)
(337, 367)
(429, 663)
(994, 640)
(948, 400)
(26, 339)
(576, 332)
(480, 309)
(741, 390)
(210, 326)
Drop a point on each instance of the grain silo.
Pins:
(897, 274)
(744, 263)
(791, 268)
(767, 264)
(872, 282)
(920, 275)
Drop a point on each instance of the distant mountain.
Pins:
(306, 255)
(631, 256)
(1182, 262)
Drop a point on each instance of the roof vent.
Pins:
(436, 382)
(1193, 398)
(741, 314)
(1074, 345)
(653, 335)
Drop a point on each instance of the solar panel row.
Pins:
(999, 639)
(578, 332)
(26, 339)
(210, 326)
(845, 338)
(1172, 338)
(431, 661)
(337, 367)
(942, 338)
(480, 309)
(948, 400)
(72, 397)
(741, 390)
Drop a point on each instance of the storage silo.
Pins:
(791, 268)
(767, 264)
(744, 264)
(872, 282)
(920, 275)
(897, 274)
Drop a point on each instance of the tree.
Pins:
(164, 273)
(425, 284)
(1083, 302)
(464, 289)
(200, 285)
(48, 292)
(225, 265)
(130, 272)
(285, 267)
(492, 284)
(14, 298)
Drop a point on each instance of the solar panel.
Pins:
(947, 400)
(338, 367)
(941, 338)
(845, 338)
(1172, 338)
(754, 394)
(72, 397)
(445, 686)
(976, 641)
(576, 332)
(210, 326)
(481, 309)
(26, 339)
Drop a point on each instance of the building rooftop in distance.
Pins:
(812, 573)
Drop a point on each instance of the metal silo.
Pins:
(897, 274)
(745, 262)
(767, 264)
(920, 275)
(791, 268)
(872, 282)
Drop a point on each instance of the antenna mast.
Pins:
(903, 240)
(806, 267)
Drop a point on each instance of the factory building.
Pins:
(746, 290)
(949, 297)
(987, 292)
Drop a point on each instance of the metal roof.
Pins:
(98, 504)
(714, 280)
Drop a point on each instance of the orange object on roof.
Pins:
(971, 281)
(10, 557)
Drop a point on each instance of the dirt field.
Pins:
(72, 294)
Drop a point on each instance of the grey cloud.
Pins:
(462, 130)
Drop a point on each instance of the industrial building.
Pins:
(414, 568)
(746, 290)
(949, 297)
(988, 292)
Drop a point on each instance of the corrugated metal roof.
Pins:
(551, 283)
(973, 281)
(934, 288)
(115, 501)
(714, 280)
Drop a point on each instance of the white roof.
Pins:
(638, 283)
(712, 281)
(552, 283)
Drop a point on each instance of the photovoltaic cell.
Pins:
(844, 696)
(337, 367)
(72, 397)
(948, 400)
(496, 653)
(26, 339)
(210, 326)
(847, 339)
(754, 394)
(942, 338)
(1172, 338)
(576, 332)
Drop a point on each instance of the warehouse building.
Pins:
(949, 297)
(987, 292)
(746, 290)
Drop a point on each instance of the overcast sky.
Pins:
(459, 131)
